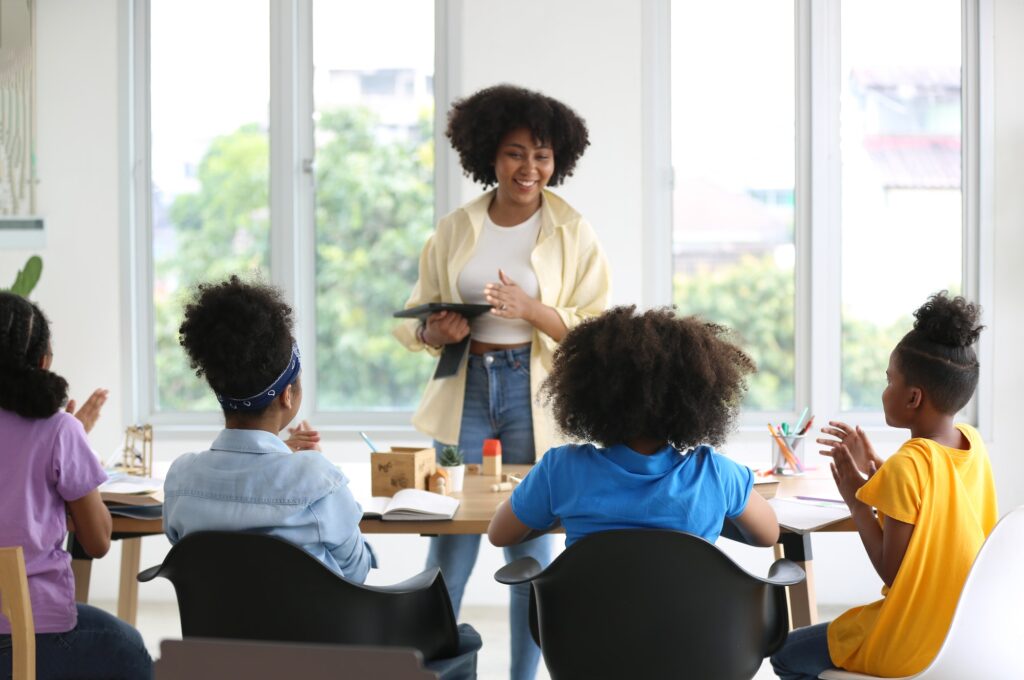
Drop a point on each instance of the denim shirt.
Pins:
(250, 480)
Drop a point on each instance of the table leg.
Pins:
(803, 603)
(128, 593)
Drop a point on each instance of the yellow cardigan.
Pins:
(572, 275)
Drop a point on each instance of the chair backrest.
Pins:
(16, 606)
(217, 659)
(654, 604)
(985, 635)
(256, 587)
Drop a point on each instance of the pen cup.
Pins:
(780, 461)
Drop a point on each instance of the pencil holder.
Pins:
(781, 463)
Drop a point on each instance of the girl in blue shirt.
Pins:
(653, 391)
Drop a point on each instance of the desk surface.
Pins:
(478, 504)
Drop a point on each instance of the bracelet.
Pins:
(421, 335)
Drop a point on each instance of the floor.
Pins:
(159, 620)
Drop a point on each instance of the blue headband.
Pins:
(258, 402)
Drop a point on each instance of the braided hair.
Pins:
(25, 387)
(938, 354)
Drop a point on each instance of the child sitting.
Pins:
(935, 499)
(239, 337)
(48, 471)
(654, 391)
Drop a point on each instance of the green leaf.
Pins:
(28, 277)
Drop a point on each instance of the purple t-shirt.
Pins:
(43, 463)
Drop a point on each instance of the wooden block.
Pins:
(492, 458)
(403, 467)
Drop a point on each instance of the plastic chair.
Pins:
(985, 634)
(16, 606)
(217, 659)
(247, 586)
(653, 604)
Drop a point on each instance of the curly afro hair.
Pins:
(477, 124)
(938, 354)
(25, 388)
(624, 376)
(237, 335)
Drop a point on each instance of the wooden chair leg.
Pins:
(128, 592)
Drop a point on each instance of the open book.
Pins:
(804, 516)
(125, 489)
(410, 504)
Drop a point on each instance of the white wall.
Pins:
(585, 52)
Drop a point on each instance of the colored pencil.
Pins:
(807, 427)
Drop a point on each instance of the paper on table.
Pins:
(806, 516)
(132, 490)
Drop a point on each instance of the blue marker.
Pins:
(368, 442)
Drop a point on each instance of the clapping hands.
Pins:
(303, 437)
(90, 411)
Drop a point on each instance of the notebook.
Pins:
(803, 516)
(410, 504)
(131, 490)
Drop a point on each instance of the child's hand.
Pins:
(303, 437)
(856, 442)
(90, 411)
(848, 477)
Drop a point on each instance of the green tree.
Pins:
(754, 298)
(374, 212)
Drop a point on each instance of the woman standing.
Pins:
(529, 254)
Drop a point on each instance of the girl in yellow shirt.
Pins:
(935, 501)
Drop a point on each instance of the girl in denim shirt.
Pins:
(239, 337)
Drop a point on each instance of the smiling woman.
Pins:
(536, 261)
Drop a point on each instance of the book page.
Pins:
(374, 507)
(415, 503)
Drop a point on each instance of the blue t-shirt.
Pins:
(592, 489)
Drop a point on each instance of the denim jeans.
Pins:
(99, 647)
(805, 654)
(497, 406)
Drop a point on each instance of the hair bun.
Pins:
(948, 321)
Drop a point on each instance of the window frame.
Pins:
(292, 204)
(817, 311)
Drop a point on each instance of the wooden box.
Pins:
(403, 467)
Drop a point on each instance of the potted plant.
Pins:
(453, 462)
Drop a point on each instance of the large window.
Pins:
(290, 142)
(816, 153)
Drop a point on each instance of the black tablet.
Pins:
(423, 311)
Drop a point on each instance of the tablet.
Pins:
(423, 311)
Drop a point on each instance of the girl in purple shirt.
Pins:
(49, 470)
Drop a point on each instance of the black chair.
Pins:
(653, 604)
(247, 586)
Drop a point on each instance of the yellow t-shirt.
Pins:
(949, 496)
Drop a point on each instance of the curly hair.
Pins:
(477, 124)
(237, 335)
(938, 354)
(623, 376)
(25, 387)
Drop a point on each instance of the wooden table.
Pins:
(478, 504)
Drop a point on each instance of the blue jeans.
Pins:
(497, 406)
(805, 654)
(99, 646)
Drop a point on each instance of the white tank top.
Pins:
(508, 249)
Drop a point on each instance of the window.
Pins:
(293, 142)
(819, 186)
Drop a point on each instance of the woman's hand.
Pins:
(856, 442)
(509, 301)
(90, 411)
(847, 476)
(445, 328)
(303, 437)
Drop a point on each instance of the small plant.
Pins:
(28, 277)
(451, 456)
